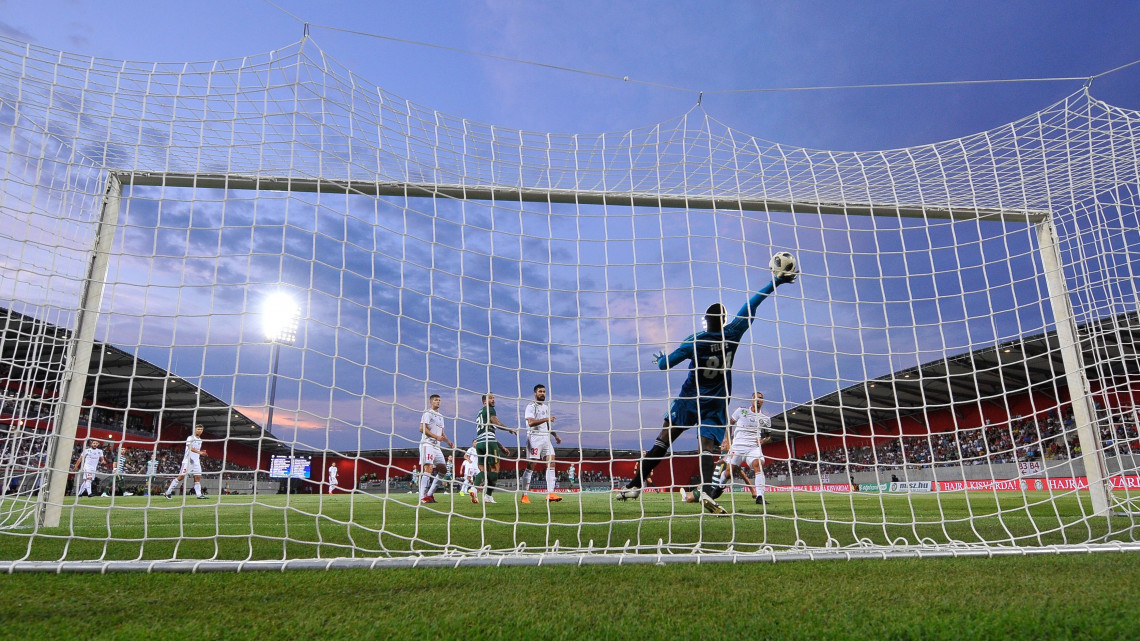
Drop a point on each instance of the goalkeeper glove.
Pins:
(657, 358)
(788, 277)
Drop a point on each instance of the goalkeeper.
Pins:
(704, 396)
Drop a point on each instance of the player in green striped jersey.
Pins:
(488, 449)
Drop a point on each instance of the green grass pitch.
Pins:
(1090, 596)
(279, 527)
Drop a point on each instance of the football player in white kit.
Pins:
(469, 469)
(332, 477)
(191, 464)
(749, 432)
(431, 457)
(89, 459)
(539, 429)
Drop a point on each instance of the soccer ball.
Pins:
(782, 264)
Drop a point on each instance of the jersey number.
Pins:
(713, 368)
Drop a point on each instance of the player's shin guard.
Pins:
(550, 480)
(651, 459)
(494, 480)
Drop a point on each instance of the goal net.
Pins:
(953, 371)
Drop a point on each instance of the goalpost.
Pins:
(955, 371)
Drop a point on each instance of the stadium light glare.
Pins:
(281, 315)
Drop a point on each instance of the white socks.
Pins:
(759, 482)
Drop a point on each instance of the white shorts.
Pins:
(332, 483)
(470, 470)
(431, 454)
(744, 455)
(190, 468)
(88, 476)
(538, 447)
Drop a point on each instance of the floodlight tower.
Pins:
(281, 317)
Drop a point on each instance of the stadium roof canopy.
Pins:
(117, 379)
(1031, 364)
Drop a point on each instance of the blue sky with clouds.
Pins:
(695, 46)
(585, 320)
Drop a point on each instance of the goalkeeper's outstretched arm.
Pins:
(685, 351)
(748, 310)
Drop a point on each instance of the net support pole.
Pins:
(79, 363)
(1075, 377)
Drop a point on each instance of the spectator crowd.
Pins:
(1020, 439)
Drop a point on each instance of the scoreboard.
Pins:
(284, 467)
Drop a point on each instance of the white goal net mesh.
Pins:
(953, 372)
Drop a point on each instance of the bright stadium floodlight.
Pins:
(281, 315)
(280, 318)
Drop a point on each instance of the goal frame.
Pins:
(79, 352)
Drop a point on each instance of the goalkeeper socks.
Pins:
(198, 489)
(550, 480)
(648, 462)
(708, 462)
(708, 466)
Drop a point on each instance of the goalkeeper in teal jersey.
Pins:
(703, 400)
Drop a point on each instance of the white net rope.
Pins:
(922, 390)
